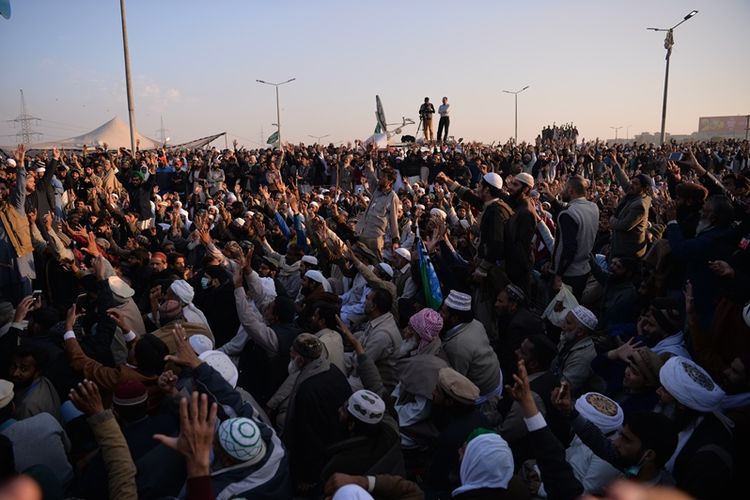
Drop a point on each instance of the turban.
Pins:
(366, 406)
(439, 213)
(309, 259)
(318, 277)
(690, 385)
(427, 323)
(240, 438)
(487, 463)
(183, 291)
(600, 411)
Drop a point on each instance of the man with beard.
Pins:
(661, 328)
(139, 192)
(620, 300)
(630, 220)
(16, 249)
(576, 351)
(495, 214)
(515, 323)
(381, 213)
(689, 200)
(702, 464)
(519, 231)
(714, 240)
(34, 393)
(577, 225)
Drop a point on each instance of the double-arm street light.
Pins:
(278, 108)
(515, 95)
(318, 137)
(616, 129)
(668, 44)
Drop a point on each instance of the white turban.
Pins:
(600, 411)
(439, 213)
(690, 385)
(487, 463)
(183, 291)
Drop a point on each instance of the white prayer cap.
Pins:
(10, 162)
(366, 406)
(585, 317)
(403, 252)
(351, 492)
(458, 301)
(525, 178)
(601, 411)
(493, 180)
(200, 343)
(387, 268)
(183, 290)
(222, 364)
(690, 385)
(119, 287)
(314, 204)
(318, 277)
(439, 213)
(240, 437)
(419, 206)
(310, 259)
(239, 221)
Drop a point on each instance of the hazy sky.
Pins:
(195, 63)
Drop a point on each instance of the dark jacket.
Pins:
(494, 217)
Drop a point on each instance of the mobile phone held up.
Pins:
(676, 156)
(81, 303)
(36, 296)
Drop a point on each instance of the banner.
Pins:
(430, 283)
(723, 124)
(273, 138)
(197, 143)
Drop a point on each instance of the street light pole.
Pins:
(128, 86)
(278, 107)
(668, 44)
(616, 129)
(515, 95)
(318, 137)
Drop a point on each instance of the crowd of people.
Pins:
(469, 321)
(556, 132)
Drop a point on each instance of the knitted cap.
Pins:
(458, 301)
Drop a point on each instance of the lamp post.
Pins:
(318, 137)
(668, 44)
(515, 95)
(616, 129)
(128, 84)
(627, 132)
(278, 108)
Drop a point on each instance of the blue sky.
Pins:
(195, 64)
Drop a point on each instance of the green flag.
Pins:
(273, 138)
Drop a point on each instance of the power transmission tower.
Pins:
(162, 132)
(24, 121)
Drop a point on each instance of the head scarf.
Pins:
(487, 463)
(427, 323)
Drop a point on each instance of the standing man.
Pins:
(577, 225)
(445, 120)
(426, 111)
(381, 216)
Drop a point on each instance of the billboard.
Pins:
(723, 124)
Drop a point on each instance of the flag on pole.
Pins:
(430, 283)
(5, 8)
(273, 138)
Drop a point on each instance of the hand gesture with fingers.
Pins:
(561, 398)
(197, 427)
(86, 398)
(184, 354)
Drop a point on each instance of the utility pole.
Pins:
(162, 132)
(24, 121)
(515, 96)
(128, 86)
(278, 106)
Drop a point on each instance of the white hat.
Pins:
(318, 277)
(403, 252)
(366, 406)
(240, 437)
(222, 364)
(585, 317)
(351, 492)
(269, 287)
(439, 213)
(310, 259)
(387, 268)
(601, 411)
(119, 287)
(183, 290)
(690, 385)
(200, 343)
(10, 162)
(314, 204)
(239, 221)
(493, 180)
(458, 301)
(525, 178)
(419, 206)
(6, 393)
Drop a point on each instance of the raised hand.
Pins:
(184, 354)
(86, 398)
(561, 399)
(20, 155)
